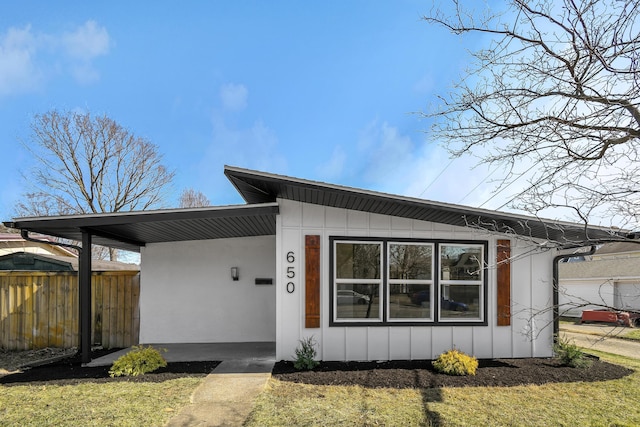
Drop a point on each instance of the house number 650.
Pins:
(291, 272)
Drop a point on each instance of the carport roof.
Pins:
(131, 230)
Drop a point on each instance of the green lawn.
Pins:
(92, 404)
(610, 403)
(633, 335)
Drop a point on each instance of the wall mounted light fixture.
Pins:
(234, 273)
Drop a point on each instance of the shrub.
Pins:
(306, 354)
(570, 354)
(138, 361)
(455, 362)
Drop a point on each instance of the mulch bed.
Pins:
(393, 374)
(70, 371)
(420, 373)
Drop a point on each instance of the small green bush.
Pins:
(138, 361)
(306, 355)
(570, 354)
(455, 362)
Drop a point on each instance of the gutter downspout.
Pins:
(84, 288)
(556, 287)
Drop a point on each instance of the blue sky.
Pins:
(318, 90)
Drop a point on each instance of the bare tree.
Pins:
(91, 164)
(553, 100)
(191, 198)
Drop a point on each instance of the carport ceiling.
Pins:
(131, 230)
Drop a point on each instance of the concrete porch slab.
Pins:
(241, 357)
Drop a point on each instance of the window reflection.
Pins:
(409, 301)
(358, 260)
(460, 301)
(460, 262)
(358, 301)
(410, 261)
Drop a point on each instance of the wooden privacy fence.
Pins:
(40, 309)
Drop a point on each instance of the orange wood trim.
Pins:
(504, 282)
(312, 281)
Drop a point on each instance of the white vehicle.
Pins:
(352, 297)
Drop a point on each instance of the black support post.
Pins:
(84, 286)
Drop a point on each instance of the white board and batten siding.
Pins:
(188, 296)
(529, 335)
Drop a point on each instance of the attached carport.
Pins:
(133, 230)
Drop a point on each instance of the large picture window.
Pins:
(402, 281)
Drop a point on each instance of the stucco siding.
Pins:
(187, 294)
(530, 333)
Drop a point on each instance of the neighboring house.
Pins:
(617, 250)
(610, 278)
(21, 261)
(26, 261)
(424, 277)
(12, 242)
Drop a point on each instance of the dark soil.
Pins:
(394, 374)
(70, 371)
(420, 373)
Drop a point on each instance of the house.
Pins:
(617, 250)
(424, 277)
(610, 278)
(13, 242)
(36, 262)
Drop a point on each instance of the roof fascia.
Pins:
(119, 218)
(235, 173)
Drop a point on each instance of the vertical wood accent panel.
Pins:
(504, 282)
(312, 281)
(40, 309)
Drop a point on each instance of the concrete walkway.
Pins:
(225, 397)
(602, 338)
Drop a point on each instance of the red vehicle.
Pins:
(610, 316)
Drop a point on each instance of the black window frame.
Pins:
(385, 321)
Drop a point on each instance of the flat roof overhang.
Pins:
(132, 230)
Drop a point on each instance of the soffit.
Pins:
(131, 230)
(261, 187)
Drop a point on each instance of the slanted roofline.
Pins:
(261, 190)
(262, 187)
